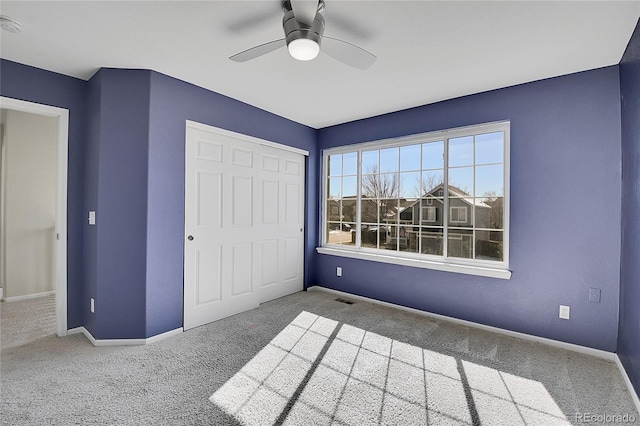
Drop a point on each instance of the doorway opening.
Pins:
(58, 235)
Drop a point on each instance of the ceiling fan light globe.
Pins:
(303, 49)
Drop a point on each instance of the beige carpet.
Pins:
(308, 359)
(25, 321)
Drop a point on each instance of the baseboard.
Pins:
(609, 356)
(29, 296)
(627, 381)
(124, 342)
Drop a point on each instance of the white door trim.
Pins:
(62, 116)
(205, 127)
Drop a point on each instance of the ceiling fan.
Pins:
(303, 25)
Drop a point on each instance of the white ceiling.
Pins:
(427, 51)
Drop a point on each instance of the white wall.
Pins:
(28, 199)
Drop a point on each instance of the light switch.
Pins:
(92, 218)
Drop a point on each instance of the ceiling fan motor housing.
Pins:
(295, 30)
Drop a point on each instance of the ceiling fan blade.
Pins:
(257, 51)
(347, 53)
(304, 10)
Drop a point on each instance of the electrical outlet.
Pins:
(594, 295)
(93, 306)
(565, 312)
(339, 271)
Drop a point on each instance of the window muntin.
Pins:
(427, 196)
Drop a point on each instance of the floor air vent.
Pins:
(341, 300)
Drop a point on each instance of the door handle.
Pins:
(190, 238)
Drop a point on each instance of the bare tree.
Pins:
(431, 183)
(496, 203)
(376, 185)
(382, 187)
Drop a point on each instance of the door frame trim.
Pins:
(252, 139)
(62, 117)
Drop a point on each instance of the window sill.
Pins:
(481, 271)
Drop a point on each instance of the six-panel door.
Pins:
(243, 224)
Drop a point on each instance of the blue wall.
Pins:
(92, 160)
(629, 329)
(120, 190)
(35, 85)
(565, 211)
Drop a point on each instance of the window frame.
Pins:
(489, 268)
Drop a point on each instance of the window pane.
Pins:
(380, 186)
(369, 236)
(410, 158)
(392, 238)
(348, 210)
(405, 210)
(333, 233)
(489, 181)
(340, 233)
(389, 160)
(461, 151)
(335, 185)
(433, 155)
(348, 234)
(335, 165)
(370, 186)
(461, 182)
(370, 163)
(460, 243)
(431, 241)
(369, 211)
(491, 216)
(431, 214)
(388, 211)
(410, 185)
(333, 210)
(350, 164)
(431, 181)
(413, 242)
(490, 148)
(388, 185)
(489, 245)
(349, 186)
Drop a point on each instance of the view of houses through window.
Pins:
(438, 197)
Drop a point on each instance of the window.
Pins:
(458, 214)
(428, 214)
(431, 199)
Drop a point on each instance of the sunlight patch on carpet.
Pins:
(317, 371)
